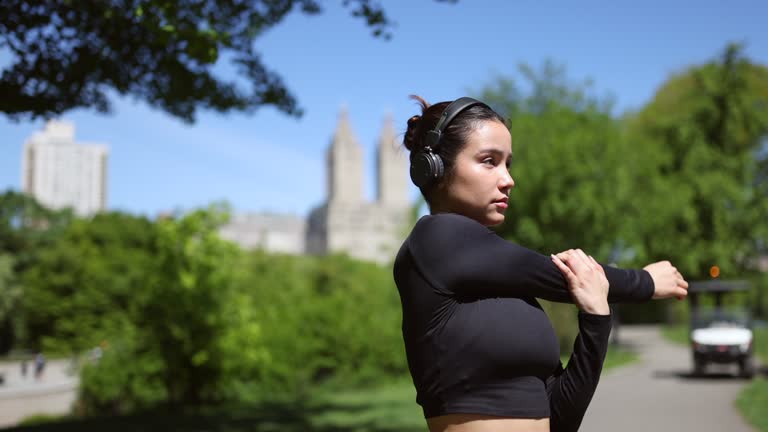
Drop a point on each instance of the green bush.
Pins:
(125, 378)
(323, 319)
(183, 317)
(209, 324)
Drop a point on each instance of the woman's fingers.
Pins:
(564, 269)
(682, 286)
(579, 264)
(597, 265)
(586, 282)
(578, 261)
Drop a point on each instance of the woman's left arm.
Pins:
(570, 390)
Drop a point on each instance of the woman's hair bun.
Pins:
(411, 138)
(410, 134)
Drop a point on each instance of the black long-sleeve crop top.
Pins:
(476, 339)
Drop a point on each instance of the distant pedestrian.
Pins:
(39, 366)
(24, 368)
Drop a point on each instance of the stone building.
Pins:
(273, 232)
(347, 222)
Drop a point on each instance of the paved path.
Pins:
(22, 397)
(658, 394)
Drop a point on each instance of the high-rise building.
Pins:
(60, 173)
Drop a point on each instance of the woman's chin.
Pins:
(495, 219)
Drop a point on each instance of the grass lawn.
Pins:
(619, 357)
(752, 403)
(676, 333)
(753, 399)
(385, 408)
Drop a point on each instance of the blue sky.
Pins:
(271, 162)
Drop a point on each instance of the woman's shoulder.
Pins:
(446, 227)
(440, 240)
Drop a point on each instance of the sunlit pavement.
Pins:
(658, 393)
(22, 396)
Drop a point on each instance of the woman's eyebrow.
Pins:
(494, 151)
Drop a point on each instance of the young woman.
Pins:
(481, 351)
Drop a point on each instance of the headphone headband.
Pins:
(450, 112)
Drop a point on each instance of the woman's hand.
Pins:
(586, 280)
(667, 280)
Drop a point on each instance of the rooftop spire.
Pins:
(392, 167)
(343, 134)
(388, 135)
(345, 163)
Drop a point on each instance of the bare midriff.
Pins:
(486, 423)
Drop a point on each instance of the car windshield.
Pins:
(707, 318)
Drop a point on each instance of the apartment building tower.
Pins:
(59, 172)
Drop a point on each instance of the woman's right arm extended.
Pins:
(461, 257)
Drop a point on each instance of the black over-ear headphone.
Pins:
(427, 167)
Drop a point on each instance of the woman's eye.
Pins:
(488, 161)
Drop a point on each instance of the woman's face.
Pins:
(480, 183)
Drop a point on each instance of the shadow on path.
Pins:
(688, 374)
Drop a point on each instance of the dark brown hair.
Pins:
(454, 137)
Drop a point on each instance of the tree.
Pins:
(707, 129)
(27, 228)
(82, 288)
(9, 296)
(185, 303)
(574, 186)
(181, 331)
(582, 180)
(68, 54)
(575, 177)
(683, 179)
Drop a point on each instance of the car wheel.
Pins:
(746, 367)
(698, 367)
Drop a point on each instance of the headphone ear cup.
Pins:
(438, 168)
(426, 168)
(421, 170)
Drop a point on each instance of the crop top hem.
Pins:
(485, 410)
(514, 397)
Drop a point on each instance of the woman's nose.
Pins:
(507, 182)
